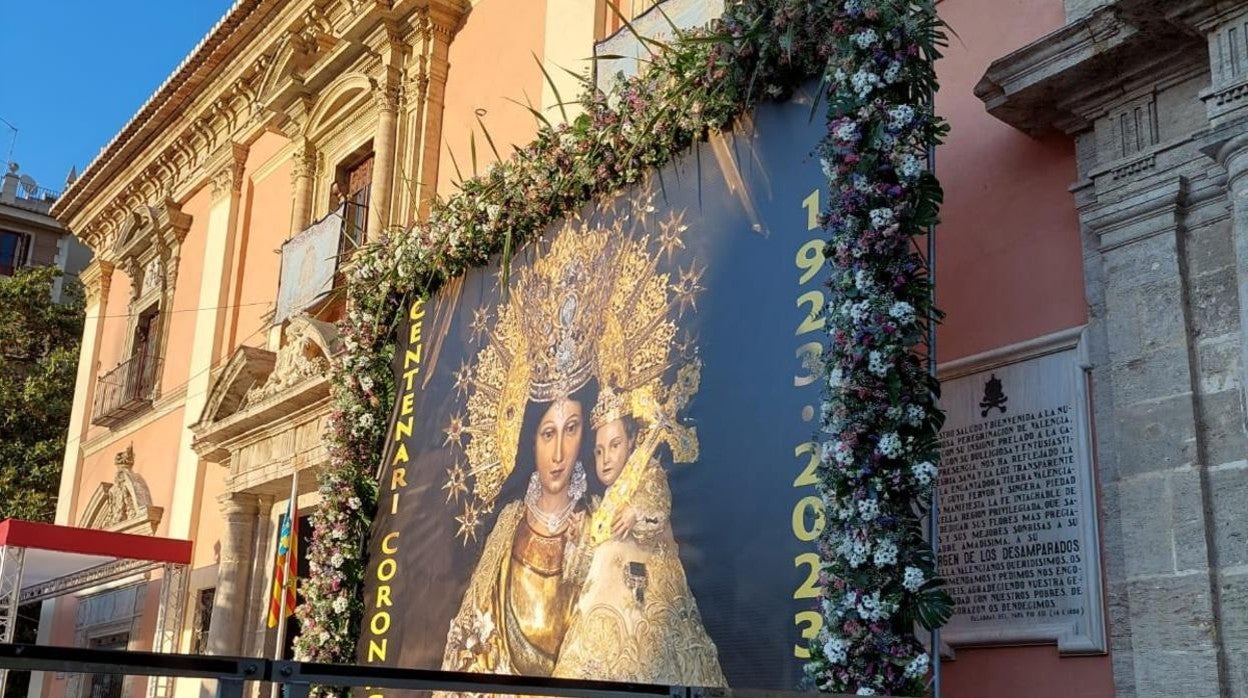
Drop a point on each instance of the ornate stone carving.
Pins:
(125, 504)
(225, 170)
(153, 275)
(130, 266)
(309, 344)
(388, 97)
(96, 280)
(303, 163)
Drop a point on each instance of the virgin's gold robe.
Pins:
(519, 600)
(636, 619)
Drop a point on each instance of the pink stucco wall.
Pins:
(1009, 268)
(492, 59)
(1009, 260)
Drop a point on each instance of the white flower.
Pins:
(836, 377)
(838, 508)
(366, 383)
(834, 650)
(868, 509)
(881, 217)
(876, 364)
(336, 560)
(828, 172)
(915, 415)
(903, 312)
(900, 116)
(354, 502)
(914, 579)
(859, 311)
(855, 554)
(890, 445)
(893, 72)
(864, 82)
(865, 691)
(853, 7)
(924, 472)
(865, 38)
(847, 131)
(873, 608)
(917, 666)
(366, 420)
(863, 280)
(843, 453)
(911, 166)
(885, 553)
(340, 604)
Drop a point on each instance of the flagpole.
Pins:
(291, 509)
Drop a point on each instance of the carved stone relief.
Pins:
(309, 344)
(125, 504)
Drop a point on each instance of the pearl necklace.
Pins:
(552, 522)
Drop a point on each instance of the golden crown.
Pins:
(592, 303)
(609, 408)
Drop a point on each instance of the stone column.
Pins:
(387, 96)
(229, 609)
(1163, 614)
(445, 19)
(1227, 141)
(257, 622)
(96, 280)
(301, 175)
(226, 179)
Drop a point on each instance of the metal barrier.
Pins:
(233, 673)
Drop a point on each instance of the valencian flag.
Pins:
(282, 601)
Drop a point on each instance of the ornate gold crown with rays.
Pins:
(593, 303)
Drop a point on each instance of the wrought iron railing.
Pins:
(232, 673)
(34, 198)
(127, 389)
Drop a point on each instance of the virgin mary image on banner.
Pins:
(578, 388)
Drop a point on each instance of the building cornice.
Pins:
(1060, 81)
(253, 72)
(179, 89)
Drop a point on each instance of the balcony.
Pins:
(126, 390)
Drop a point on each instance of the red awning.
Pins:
(62, 559)
(89, 541)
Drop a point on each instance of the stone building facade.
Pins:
(194, 390)
(1153, 95)
(30, 236)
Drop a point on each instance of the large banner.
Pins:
(601, 462)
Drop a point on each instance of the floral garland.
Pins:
(880, 418)
(701, 81)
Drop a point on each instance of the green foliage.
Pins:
(39, 343)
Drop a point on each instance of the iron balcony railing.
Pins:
(297, 678)
(33, 198)
(127, 389)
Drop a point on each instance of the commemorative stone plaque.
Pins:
(1018, 536)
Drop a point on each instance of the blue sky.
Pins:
(75, 71)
